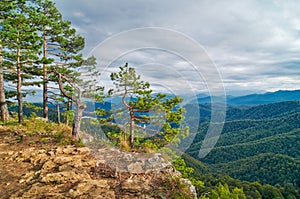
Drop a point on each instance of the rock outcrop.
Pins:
(72, 172)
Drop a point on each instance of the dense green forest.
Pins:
(251, 190)
(258, 144)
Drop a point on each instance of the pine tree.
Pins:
(83, 86)
(67, 58)
(139, 101)
(52, 30)
(21, 47)
(5, 7)
(67, 61)
(61, 50)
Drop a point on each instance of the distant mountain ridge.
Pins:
(266, 98)
(249, 99)
(254, 99)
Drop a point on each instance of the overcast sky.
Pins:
(255, 45)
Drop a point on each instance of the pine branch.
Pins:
(62, 89)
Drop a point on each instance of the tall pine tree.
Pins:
(5, 7)
(60, 51)
(53, 31)
(21, 45)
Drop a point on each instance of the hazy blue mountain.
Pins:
(202, 98)
(266, 98)
(254, 99)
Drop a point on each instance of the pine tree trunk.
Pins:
(3, 105)
(77, 119)
(19, 84)
(58, 113)
(45, 82)
(69, 104)
(131, 138)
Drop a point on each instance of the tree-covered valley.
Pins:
(258, 144)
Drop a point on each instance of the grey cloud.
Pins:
(249, 40)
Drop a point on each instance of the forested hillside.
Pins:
(259, 143)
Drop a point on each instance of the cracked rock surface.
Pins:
(51, 171)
